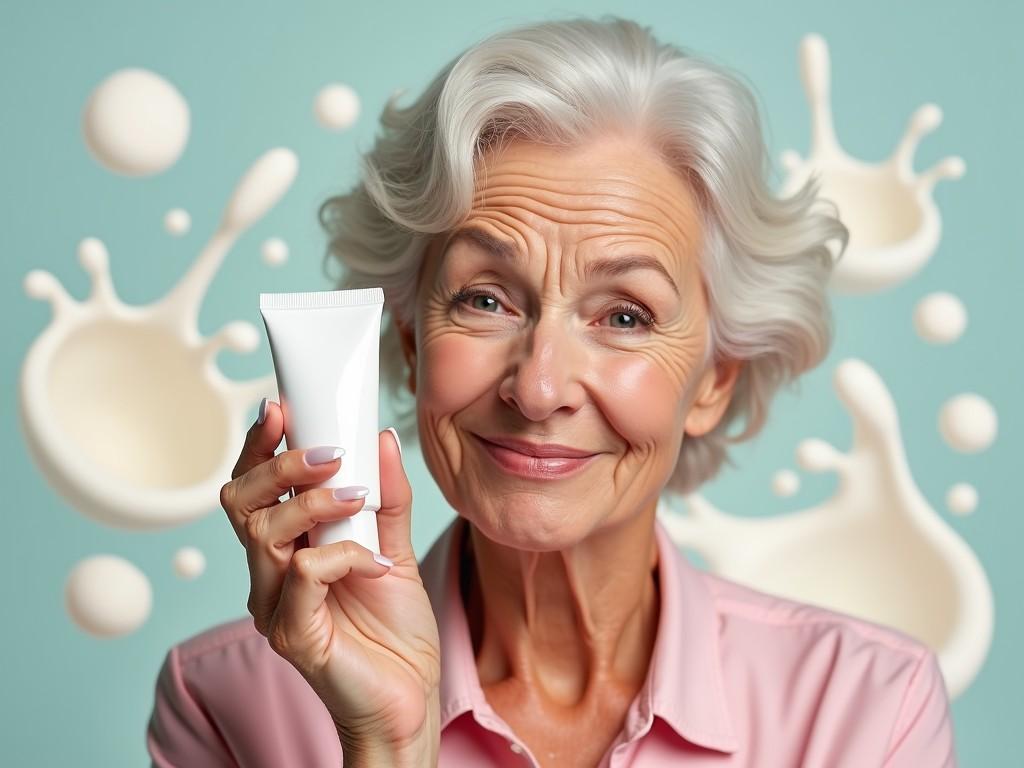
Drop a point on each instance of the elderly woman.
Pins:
(588, 281)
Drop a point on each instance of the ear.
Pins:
(713, 395)
(407, 339)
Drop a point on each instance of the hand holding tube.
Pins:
(362, 634)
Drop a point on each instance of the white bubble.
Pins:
(968, 423)
(962, 499)
(177, 222)
(107, 596)
(189, 562)
(940, 318)
(336, 107)
(136, 123)
(786, 482)
(275, 251)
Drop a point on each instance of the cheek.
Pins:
(641, 400)
(456, 370)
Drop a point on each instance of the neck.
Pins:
(566, 625)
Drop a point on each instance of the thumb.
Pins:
(394, 519)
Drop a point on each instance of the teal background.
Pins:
(250, 71)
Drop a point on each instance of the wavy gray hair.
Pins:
(766, 260)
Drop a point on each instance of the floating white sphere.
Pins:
(336, 107)
(177, 222)
(136, 123)
(189, 562)
(968, 423)
(940, 318)
(786, 482)
(275, 251)
(107, 596)
(962, 499)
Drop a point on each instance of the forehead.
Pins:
(612, 187)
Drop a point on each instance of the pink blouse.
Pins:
(738, 677)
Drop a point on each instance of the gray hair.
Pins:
(765, 262)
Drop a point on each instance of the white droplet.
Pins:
(107, 596)
(177, 222)
(940, 318)
(962, 499)
(189, 562)
(336, 107)
(136, 123)
(275, 251)
(786, 482)
(968, 423)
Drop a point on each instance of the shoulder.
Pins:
(224, 694)
(227, 659)
(828, 666)
(768, 618)
(227, 638)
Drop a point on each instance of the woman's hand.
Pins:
(363, 635)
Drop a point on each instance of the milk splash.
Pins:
(123, 407)
(893, 220)
(876, 549)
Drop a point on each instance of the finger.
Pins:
(285, 522)
(263, 485)
(262, 440)
(308, 576)
(394, 519)
(270, 541)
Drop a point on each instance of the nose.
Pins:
(545, 374)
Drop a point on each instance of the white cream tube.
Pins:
(326, 350)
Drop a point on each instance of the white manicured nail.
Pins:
(383, 560)
(350, 492)
(322, 454)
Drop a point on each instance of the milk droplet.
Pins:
(786, 482)
(189, 562)
(275, 251)
(177, 222)
(968, 423)
(107, 596)
(136, 123)
(962, 499)
(336, 107)
(940, 318)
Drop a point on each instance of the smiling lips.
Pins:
(532, 460)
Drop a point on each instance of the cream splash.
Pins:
(123, 407)
(876, 549)
(893, 220)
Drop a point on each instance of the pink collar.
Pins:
(684, 682)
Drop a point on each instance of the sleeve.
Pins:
(923, 734)
(180, 732)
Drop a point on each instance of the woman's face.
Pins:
(569, 311)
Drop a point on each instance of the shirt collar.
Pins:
(684, 685)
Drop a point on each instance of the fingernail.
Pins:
(322, 454)
(263, 411)
(383, 560)
(350, 492)
(394, 432)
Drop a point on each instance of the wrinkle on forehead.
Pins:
(605, 189)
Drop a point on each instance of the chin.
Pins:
(527, 525)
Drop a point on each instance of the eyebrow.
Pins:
(606, 267)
